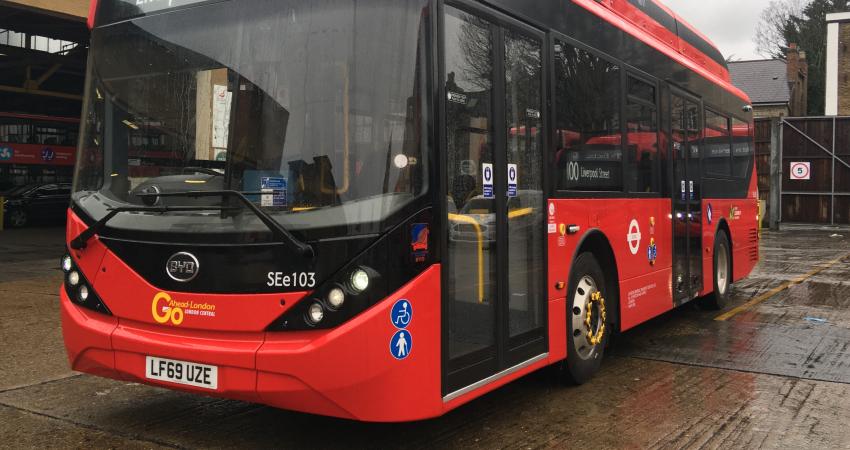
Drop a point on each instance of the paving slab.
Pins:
(21, 429)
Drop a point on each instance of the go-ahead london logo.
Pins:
(6, 153)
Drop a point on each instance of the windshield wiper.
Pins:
(281, 233)
(81, 241)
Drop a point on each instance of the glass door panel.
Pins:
(523, 107)
(471, 256)
(494, 295)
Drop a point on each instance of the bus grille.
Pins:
(754, 244)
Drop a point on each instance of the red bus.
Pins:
(36, 149)
(383, 209)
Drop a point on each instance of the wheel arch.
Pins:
(596, 243)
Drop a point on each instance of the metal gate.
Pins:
(803, 163)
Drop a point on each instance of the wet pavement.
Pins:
(770, 371)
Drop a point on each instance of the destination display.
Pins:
(593, 170)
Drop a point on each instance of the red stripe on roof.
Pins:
(92, 10)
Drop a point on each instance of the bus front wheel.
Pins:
(589, 321)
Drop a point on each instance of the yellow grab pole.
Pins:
(477, 226)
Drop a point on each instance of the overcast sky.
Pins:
(730, 24)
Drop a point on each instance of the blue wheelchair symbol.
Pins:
(402, 313)
(401, 344)
(48, 154)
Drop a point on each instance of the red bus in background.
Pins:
(36, 149)
(463, 193)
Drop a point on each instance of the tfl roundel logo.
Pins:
(182, 267)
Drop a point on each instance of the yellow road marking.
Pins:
(767, 295)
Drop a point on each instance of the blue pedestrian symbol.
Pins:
(400, 344)
(402, 313)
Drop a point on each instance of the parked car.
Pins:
(34, 203)
(477, 216)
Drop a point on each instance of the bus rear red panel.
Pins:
(741, 218)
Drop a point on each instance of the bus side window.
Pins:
(642, 136)
(718, 150)
(589, 141)
(742, 149)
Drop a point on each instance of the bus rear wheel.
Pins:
(589, 323)
(722, 274)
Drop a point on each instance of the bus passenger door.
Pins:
(494, 265)
(686, 138)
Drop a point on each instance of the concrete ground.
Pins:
(771, 371)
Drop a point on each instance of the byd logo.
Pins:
(169, 312)
(182, 267)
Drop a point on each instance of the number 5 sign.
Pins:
(801, 171)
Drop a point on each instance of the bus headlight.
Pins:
(83, 294)
(364, 281)
(79, 290)
(315, 313)
(359, 280)
(67, 263)
(336, 297)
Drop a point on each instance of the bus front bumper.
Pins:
(346, 372)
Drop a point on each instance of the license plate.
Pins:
(181, 372)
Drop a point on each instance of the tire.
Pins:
(721, 274)
(17, 218)
(583, 356)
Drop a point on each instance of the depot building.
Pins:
(43, 51)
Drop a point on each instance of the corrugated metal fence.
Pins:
(810, 166)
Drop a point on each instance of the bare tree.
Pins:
(771, 30)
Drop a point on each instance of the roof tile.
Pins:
(765, 81)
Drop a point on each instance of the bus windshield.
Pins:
(318, 104)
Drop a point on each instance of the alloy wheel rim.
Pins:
(582, 301)
(722, 271)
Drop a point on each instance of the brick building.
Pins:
(838, 64)
(777, 88)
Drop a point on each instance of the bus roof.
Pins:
(658, 25)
